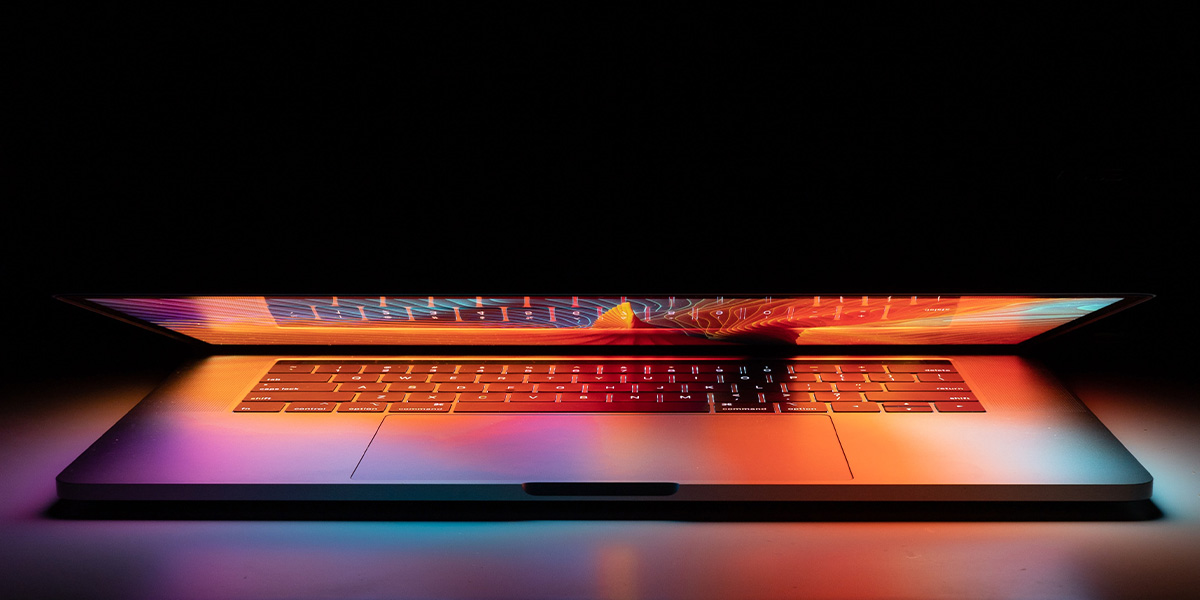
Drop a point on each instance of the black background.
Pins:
(534, 150)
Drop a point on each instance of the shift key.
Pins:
(299, 397)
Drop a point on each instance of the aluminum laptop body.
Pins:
(658, 398)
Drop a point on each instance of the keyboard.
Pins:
(605, 386)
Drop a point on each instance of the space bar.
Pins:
(492, 407)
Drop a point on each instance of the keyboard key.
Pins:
(523, 388)
(362, 387)
(588, 397)
(659, 387)
(468, 388)
(412, 387)
(740, 407)
(577, 369)
(670, 368)
(926, 387)
(506, 378)
(839, 396)
(936, 377)
(839, 377)
(813, 368)
(385, 369)
(402, 377)
(345, 377)
(610, 387)
(311, 407)
(688, 397)
(527, 369)
(854, 406)
(486, 397)
(861, 368)
(589, 378)
(921, 397)
(296, 377)
(921, 408)
(892, 377)
(921, 368)
(420, 407)
(362, 407)
(461, 387)
(859, 387)
(638, 407)
(295, 368)
(433, 368)
(959, 406)
(559, 387)
(481, 369)
(259, 407)
(545, 378)
(299, 397)
(538, 397)
(419, 397)
(394, 397)
(651, 397)
(788, 397)
(296, 387)
(785, 377)
(339, 368)
(452, 377)
(802, 407)
(800, 386)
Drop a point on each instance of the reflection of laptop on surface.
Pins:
(655, 398)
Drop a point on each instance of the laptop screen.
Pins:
(607, 320)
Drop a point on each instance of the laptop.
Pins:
(874, 397)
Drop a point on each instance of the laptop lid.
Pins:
(819, 320)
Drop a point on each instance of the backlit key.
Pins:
(370, 407)
(296, 377)
(292, 369)
(936, 377)
(296, 387)
(400, 386)
(800, 386)
(921, 397)
(959, 406)
(259, 407)
(861, 368)
(922, 368)
(339, 368)
(813, 368)
(430, 397)
(485, 397)
(837, 377)
(420, 407)
(385, 369)
(854, 406)
(926, 387)
(311, 407)
(921, 408)
(802, 407)
(299, 397)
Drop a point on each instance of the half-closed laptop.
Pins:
(606, 397)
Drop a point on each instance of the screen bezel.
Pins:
(1125, 301)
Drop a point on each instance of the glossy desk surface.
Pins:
(53, 549)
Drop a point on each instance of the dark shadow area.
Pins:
(1141, 510)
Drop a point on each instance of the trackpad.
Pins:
(682, 449)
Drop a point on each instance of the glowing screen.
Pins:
(577, 320)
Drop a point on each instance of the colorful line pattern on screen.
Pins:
(575, 320)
